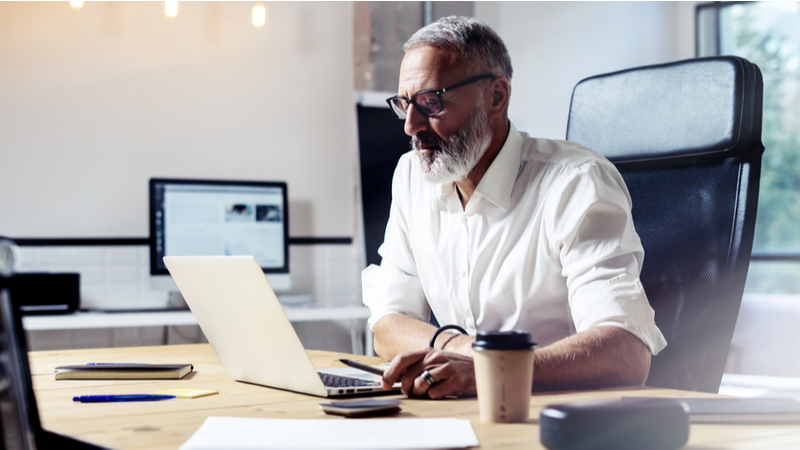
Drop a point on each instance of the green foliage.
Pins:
(768, 34)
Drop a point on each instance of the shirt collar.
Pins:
(499, 179)
(497, 182)
(447, 196)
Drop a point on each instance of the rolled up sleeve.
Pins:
(619, 302)
(387, 290)
(601, 254)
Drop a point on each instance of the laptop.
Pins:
(246, 326)
(20, 427)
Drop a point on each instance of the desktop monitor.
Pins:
(217, 217)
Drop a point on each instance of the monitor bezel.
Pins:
(155, 270)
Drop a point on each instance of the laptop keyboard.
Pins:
(340, 381)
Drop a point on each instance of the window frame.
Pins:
(708, 43)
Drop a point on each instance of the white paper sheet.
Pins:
(253, 433)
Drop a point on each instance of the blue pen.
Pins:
(120, 398)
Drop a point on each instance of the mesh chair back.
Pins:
(686, 137)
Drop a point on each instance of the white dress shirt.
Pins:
(546, 244)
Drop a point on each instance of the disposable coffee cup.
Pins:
(504, 375)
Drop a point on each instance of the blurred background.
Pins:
(98, 97)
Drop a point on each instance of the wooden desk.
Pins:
(166, 425)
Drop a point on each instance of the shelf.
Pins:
(83, 320)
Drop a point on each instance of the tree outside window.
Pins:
(768, 34)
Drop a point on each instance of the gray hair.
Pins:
(475, 42)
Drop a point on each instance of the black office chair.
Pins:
(20, 427)
(686, 137)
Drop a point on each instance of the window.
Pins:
(767, 34)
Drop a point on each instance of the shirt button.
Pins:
(462, 274)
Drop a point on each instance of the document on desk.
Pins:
(245, 432)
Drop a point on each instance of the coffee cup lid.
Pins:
(504, 340)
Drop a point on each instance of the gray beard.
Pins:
(457, 156)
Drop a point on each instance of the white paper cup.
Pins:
(504, 375)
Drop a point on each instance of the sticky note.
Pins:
(186, 393)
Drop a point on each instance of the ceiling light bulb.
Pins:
(171, 9)
(259, 15)
(75, 4)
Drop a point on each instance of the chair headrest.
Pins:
(703, 106)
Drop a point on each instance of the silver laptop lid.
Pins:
(244, 322)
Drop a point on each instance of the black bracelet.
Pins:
(446, 327)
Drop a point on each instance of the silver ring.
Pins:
(428, 378)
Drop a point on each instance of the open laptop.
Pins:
(249, 331)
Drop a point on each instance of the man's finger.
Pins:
(426, 380)
(447, 382)
(400, 365)
(410, 378)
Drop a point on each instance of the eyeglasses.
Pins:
(428, 103)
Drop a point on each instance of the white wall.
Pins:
(553, 45)
(95, 101)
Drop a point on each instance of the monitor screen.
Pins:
(213, 217)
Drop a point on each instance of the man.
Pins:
(493, 230)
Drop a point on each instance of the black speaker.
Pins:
(636, 424)
(49, 293)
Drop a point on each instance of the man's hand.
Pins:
(453, 373)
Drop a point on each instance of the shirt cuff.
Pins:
(387, 290)
(619, 302)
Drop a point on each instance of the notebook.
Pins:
(249, 331)
(112, 371)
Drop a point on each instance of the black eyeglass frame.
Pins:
(412, 101)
